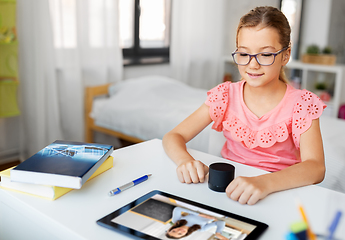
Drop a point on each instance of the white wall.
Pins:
(235, 10)
(315, 23)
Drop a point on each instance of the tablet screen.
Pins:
(160, 215)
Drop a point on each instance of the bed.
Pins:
(144, 108)
(141, 109)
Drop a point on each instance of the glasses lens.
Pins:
(241, 58)
(265, 58)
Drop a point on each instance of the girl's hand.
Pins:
(220, 236)
(248, 190)
(192, 171)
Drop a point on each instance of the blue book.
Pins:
(63, 164)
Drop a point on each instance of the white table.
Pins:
(74, 215)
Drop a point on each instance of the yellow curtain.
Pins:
(8, 98)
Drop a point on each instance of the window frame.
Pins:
(297, 44)
(137, 55)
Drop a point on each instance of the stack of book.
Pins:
(58, 168)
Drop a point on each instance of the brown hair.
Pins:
(180, 223)
(268, 17)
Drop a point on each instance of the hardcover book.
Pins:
(45, 191)
(62, 164)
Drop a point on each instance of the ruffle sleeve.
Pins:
(217, 100)
(307, 108)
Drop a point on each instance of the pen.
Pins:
(311, 235)
(129, 185)
(333, 225)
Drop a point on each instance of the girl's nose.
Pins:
(253, 63)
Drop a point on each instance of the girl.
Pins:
(267, 123)
(184, 225)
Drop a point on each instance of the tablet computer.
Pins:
(160, 215)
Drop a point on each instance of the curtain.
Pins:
(64, 46)
(38, 87)
(197, 41)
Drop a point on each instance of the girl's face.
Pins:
(178, 232)
(253, 40)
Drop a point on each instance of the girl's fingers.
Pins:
(245, 190)
(186, 176)
(194, 175)
(200, 172)
(253, 199)
(231, 188)
(237, 191)
(244, 197)
(236, 194)
(192, 172)
(180, 176)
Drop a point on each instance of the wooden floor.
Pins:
(8, 165)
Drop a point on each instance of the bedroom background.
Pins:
(53, 73)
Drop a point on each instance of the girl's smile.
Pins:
(254, 75)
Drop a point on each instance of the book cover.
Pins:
(45, 191)
(62, 164)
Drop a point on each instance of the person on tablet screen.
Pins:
(186, 222)
(267, 123)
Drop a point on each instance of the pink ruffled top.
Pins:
(270, 142)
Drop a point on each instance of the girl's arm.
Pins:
(188, 169)
(310, 170)
(176, 215)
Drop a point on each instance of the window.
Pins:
(63, 13)
(145, 30)
(293, 12)
(144, 27)
(96, 16)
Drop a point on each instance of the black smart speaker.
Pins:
(220, 175)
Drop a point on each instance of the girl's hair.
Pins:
(180, 223)
(268, 17)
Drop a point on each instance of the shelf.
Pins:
(314, 67)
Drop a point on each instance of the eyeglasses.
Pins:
(263, 58)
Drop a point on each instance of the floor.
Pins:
(8, 165)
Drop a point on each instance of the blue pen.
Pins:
(129, 185)
(334, 225)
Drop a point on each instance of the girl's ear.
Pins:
(286, 56)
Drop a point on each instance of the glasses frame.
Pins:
(256, 58)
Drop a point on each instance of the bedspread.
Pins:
(148, 107)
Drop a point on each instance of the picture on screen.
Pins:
(167, 218)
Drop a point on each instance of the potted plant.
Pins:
(315, 55)
(321, 86)
(321, 91)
